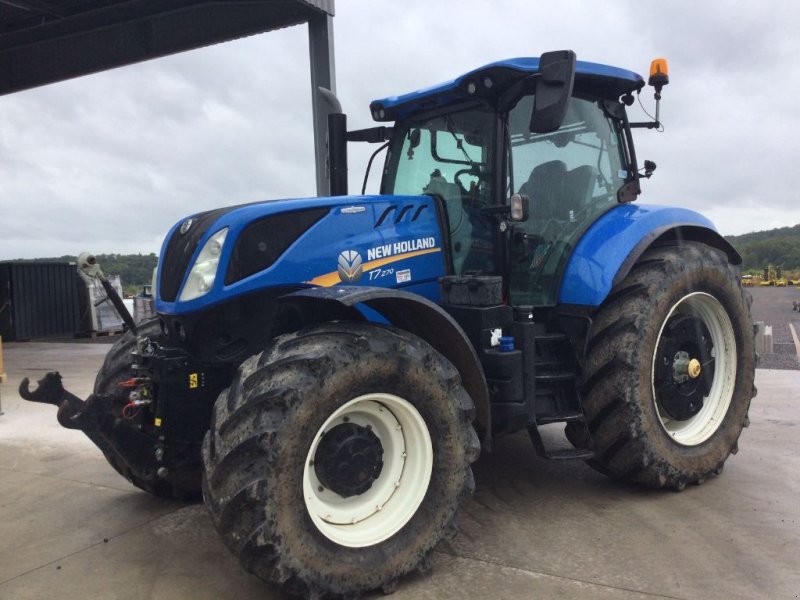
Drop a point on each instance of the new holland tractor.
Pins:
(324, 371)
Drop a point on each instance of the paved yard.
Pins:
(70, 527)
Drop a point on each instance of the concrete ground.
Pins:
(70, 527)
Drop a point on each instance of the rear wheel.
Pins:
(670, 369)
(338, 457)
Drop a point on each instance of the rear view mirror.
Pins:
(553, 90)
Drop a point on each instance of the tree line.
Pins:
(777, 247)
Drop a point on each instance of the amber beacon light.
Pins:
(659, 73)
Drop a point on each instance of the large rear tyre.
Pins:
(670, 369)
(338, 457)
(183, 485)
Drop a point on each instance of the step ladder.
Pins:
(554, 377)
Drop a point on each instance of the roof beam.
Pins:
(40, 6)
(130, 32)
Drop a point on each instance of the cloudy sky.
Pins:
(109, 162)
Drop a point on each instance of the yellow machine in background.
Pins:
(748, 281)
(771, 276)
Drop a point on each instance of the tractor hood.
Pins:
(386, 241)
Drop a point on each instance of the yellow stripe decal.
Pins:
(330, 279)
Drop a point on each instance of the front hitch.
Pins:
(73, 413)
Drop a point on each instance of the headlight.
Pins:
(204, 270)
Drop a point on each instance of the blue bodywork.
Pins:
(606, 245)
(403, 251)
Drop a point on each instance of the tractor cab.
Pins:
(474, 144)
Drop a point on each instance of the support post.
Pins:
(323, 74)
(2, 374)
(2, 366)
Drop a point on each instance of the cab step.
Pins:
(554, 377)
(562, 418)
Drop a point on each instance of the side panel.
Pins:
(603, 255)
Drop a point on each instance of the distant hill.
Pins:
(135, 270)
(778, 247)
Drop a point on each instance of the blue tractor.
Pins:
(324, 371)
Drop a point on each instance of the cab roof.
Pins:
(591, 79)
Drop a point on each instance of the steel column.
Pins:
(323, 74)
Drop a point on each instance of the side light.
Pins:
(204, 270)
(519, 208)
(659, 73)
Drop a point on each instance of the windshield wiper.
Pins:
(459, 143)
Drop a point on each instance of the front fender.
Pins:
(424, 319)
(610, 247)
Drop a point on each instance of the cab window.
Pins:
(450, 156)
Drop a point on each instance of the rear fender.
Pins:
(418, 316)
(610, 247)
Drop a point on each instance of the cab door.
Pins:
(571, 177)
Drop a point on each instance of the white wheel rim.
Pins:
(395, 495)
(704, 424)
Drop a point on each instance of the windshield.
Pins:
(450, 156)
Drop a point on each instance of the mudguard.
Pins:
(610, 247)
(423, 318)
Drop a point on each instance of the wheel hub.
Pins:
(349, 459)
(684, 367)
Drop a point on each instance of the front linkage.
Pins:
(149, 411)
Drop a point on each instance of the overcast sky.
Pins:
(109, 162)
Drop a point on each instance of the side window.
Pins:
(571, 177)
(587, 141)
(449, 156)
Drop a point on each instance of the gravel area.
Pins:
(773, 306)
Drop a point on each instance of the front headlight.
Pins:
(204, 270)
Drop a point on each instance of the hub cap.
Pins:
(684, 353)
(367, 470)
(694, 369)
(348, 459)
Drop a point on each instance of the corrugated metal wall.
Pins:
(38, 300)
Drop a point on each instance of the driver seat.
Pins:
(545, 188)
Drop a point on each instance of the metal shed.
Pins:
(38, 300)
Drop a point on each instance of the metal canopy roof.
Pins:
(44, 41)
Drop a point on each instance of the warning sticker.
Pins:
(403, 276)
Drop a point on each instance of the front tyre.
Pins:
(337, 458)
(670, 368)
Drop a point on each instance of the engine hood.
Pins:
(386, 241)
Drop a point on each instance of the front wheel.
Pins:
(337, 458)
(670, 368)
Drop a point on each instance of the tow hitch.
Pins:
(73, 413)
(128, 447)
